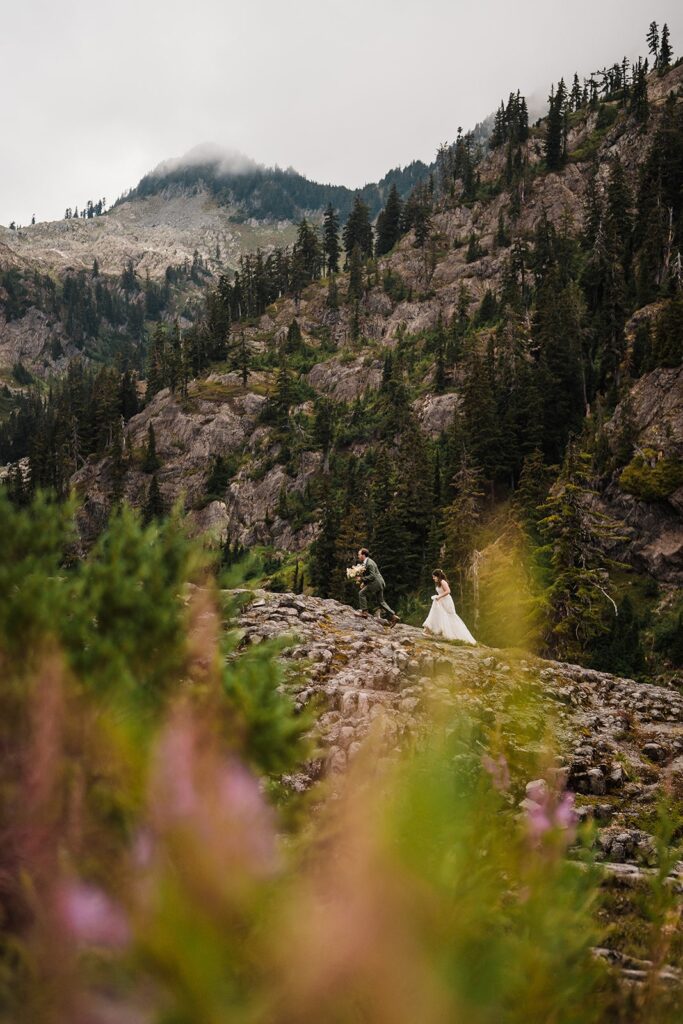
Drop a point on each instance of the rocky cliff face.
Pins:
(35, 341)
(654, 410)
(221, 418)
(154, 232)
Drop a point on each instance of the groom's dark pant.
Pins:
(376, 594)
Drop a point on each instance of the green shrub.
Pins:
(607, 115)
(394, 286)
(652, 482)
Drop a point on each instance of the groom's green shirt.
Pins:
(372, 574)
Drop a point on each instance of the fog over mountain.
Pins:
(225, 160)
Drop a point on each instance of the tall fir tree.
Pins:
(653, 42)
(389, 223)
(154, 507)
(579, 602)
(356, 281)
(460, 523)
(665, 51)
(556, 129)
(150, 459)
(558, 333)
(358, 230)
(331, 244)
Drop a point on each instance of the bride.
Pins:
(442, 619)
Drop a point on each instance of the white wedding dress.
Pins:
(444, 621)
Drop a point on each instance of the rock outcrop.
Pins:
(617, 743)
(37, 343)
(617, 738)
(653, 415)
(154, 232)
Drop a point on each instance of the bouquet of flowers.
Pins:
(356, 573)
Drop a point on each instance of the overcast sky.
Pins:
(96, 94)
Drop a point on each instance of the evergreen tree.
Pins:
(174, 360)
(498, 132)
(244, 359)
(118, 468)
(306, 255)
(641, 352)
(358, 230)
(639, 105)
(323, 424)
(440, 377)
(294, 337)
(461, 520)
(531, 493)
(129, 279)
(389, 223)
(653, 43)
(558, 333)
(665, 51)
(18, 490)
(282, 399)
(660, 205)
(156, 363)
(219, 478)
(128, 395)
(481, 424)
(154, 507)
(356, 283)
(473, 250)
(355, 325)
(331, 245)
(556, 129)
(353, 523)
(667, 348)
(332, 300)
(150, 459)
(619, 650)
(402, 507)
(578, 599)
(502, 236)
(419, 209)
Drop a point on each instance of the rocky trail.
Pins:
(619, 742)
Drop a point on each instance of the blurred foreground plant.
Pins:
(145, 876)
(95, 658)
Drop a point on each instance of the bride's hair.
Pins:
(439, 574)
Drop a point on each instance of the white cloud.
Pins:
(226, 161)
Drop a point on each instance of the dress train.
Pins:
(444, 621)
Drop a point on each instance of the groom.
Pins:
(373, 588)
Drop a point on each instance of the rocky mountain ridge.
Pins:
(154, 231)
(179, 212)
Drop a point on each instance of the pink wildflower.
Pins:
(498, 770)
(565, 814)
(546, 810)
(91, 917)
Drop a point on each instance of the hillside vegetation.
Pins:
(487, 378)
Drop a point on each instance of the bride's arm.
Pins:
(445, 590)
